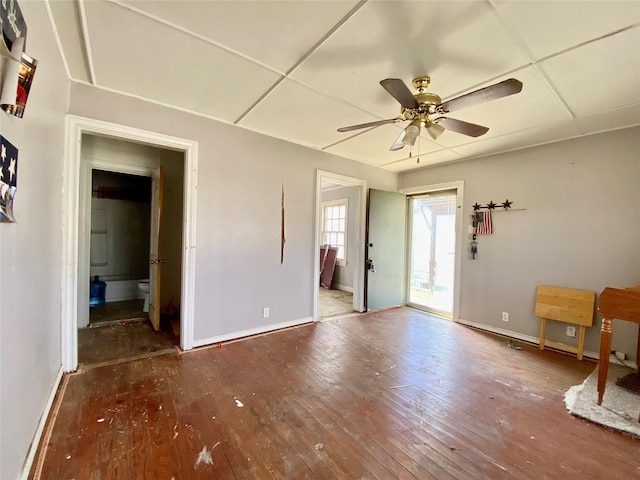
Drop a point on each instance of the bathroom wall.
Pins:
(120, 225)
(343, 275)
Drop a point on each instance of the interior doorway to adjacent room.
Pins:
(338, 275)
(77, 193)
(125, 200)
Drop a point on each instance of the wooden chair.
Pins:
(565, 305)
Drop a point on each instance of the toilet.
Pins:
(143, 285)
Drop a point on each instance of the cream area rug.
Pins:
(619, 409)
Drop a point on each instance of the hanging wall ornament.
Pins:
(8, 179)
(474, 249)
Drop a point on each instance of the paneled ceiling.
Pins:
(298, 70)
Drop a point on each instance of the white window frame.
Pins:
(332, 203)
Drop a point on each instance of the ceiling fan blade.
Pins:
(434, 130)
(399, 90)
(399, 143)
(370, 124)
(465, 128)
(499, 90)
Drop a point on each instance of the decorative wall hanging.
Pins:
(18, 68)
(282, 236)
(491, 206)
(8, 179)
(482, 222)
(14, 30)
(15, 103)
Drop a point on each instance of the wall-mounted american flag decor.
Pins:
(484, 224)
(8, 179)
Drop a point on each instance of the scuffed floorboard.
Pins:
(395, 394)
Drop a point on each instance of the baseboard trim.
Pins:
(250, 332)
(344, 288)
(35, 443)
(522, 337)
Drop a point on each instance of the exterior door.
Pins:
(155, 250)
(385, 268)
(432, 251)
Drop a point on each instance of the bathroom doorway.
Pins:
(123, 207)
(119, 247)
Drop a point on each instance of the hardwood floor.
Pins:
(123, 340)
(395, 394)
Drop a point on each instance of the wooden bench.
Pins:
(565, 305)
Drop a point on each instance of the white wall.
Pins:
(30, 250)
(580, 229)
(240, 173)
(343, 275)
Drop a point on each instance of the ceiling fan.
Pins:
(427, 109)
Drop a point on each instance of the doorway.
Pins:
(76, 236)
(122, 201)
(435, 245)
(432, 223)
(391, 254)
(120, 223)
(340, 224)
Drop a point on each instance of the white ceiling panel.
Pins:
(548, 27)
(537, 135)
(425, 160)
(276, 33)
(372, 146)
(536, 104)
(297, 113)
(612, 119)
(170, 66)
(299, 70)
(600, 76)
(68, 26)
(448, 41)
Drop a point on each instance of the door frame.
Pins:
(76, 126)
(84, 227)
(358, 275)
(460, 235)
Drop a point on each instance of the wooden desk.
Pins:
(623, 304)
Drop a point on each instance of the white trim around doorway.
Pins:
(75, 128)
(460, 233)
(358, 281)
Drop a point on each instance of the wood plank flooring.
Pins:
(389, 395)
(123, 340)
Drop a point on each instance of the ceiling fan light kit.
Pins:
(426, 108)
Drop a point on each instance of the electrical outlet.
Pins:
(265, 312)
(571, 331)
(505, 316)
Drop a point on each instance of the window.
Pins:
(334, 227)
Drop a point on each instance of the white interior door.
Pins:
(155, 250)
(386, 230)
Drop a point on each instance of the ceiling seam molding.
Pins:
(191, 112)
(57, 37)
(532, 59)
(162, 21)
(306, 55)
(87, 44)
